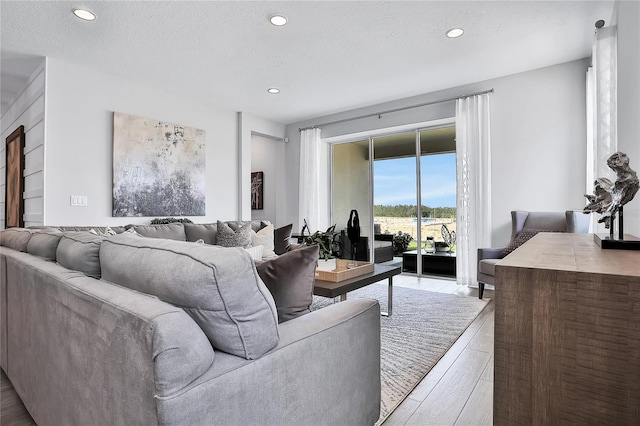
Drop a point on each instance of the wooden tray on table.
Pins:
(345, 269)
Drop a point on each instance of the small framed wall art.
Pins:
(14, 179)
(257, 190)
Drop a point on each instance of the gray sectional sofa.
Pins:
(122, 330)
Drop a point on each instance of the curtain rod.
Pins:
(394, 110)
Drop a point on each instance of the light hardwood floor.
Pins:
(457, 391)
(12, 411)
(459, 388)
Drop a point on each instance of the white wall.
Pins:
(28, 110)
(267, 156)
(78, 158)
(249, 125)
(628, 20)
(538, 139)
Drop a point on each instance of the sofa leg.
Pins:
(481, 290)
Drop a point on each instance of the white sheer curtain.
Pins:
(314, 181)
(473, 151)
(602, 110)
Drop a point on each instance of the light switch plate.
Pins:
(79, 201)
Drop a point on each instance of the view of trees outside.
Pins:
(395, 209)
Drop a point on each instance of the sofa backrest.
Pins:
(94, 340)
(567, 221)
(98, 229)
(80, 249)
(178, 231)
(208, 232)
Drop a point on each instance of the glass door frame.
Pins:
(370, 136)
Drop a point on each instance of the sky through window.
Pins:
(394, 181)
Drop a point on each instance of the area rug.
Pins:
(423, 326)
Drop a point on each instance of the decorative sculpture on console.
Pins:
(609, 197)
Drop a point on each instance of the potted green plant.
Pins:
(326, 241)
(401, 242)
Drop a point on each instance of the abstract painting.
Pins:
(257, 179)
(158, 168)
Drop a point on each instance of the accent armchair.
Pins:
(525, 225)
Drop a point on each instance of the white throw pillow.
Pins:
(264, 237)
(107, 232)
(255, 252)
(132, 231)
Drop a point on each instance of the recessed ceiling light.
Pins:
(455, 32)
(278, 20)
(273, 90)
(84, 14)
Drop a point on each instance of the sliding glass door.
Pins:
(351, 191)
(438, 201)
(404, 189)
(395, 196)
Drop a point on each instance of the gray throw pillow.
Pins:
(281, 238)
(80, 251)
(201, 231)
(169, 231)
(227, 237)
(44, 244)
(218, 287)
(524, 236)
(15, 238)
(290, 279)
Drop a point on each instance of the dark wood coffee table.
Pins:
(380, 272)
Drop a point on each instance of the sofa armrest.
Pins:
(489, 253)
(338, 314)
(325, 370)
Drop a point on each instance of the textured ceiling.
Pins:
(330, 57)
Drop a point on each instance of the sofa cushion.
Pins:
(98, 229)
(44, 244)
(169, 231)
(80, 251)
(218, 287)
(15, 238)
(230, 237)
(264, 237)
(281, 239)
(488, 266)
(201, 231)
(290, 279)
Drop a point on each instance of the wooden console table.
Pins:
(567, 333)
